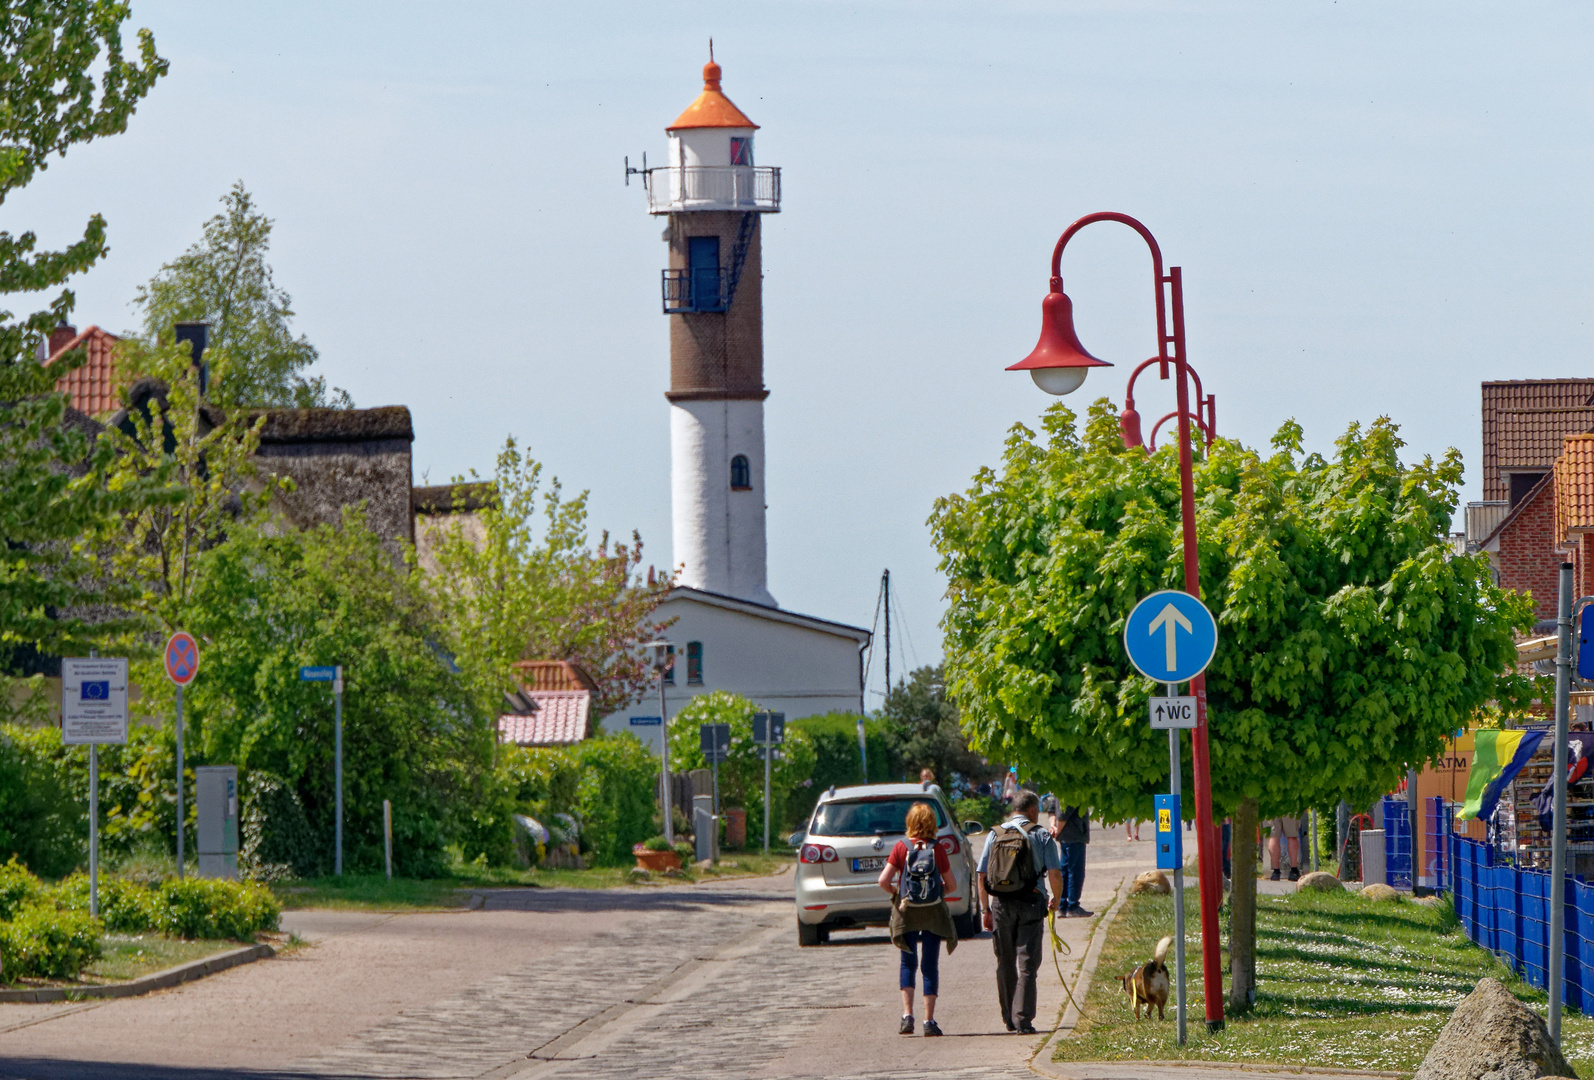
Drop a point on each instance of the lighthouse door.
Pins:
(703, 259)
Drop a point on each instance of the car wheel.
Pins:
(809, 935)
(967, 925)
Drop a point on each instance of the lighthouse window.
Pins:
(741, 151)
(694, 663)
(741, 474)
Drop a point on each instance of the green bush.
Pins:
(40, 821)
(212, 908)
(609, 784)
(275, 838)
(126, 907)
(982, 808)
(44, 941)
(656, 843)
(17, 888)
(836, 759)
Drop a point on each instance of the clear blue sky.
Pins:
(1376, 206)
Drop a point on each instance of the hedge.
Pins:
(608, 784)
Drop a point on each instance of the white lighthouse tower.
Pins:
(713, 196)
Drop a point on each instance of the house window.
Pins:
(694, 663)
(741, 151)
(669, 665)
(1521, 484)
(741, 474)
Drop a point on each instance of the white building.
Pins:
(729, 632)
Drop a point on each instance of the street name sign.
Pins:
(1172, 712)
(1170, 636)
(317, 674)
(182, 658)
(647, 721)
(94, 701)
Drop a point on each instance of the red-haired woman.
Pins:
(916, 875)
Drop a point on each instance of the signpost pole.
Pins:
(1557, 899)
(387, 835)
(1178, 882)
(716, 767)
(337, 762)
(179, 781)
(769, 752)
(94, 830)
(666, 796)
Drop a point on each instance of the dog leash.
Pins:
(1059, 943)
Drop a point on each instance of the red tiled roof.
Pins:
(553, 675)
(1523, 394)
(1574, 488)
(1530, 439)
(562, 717)
(93, 388)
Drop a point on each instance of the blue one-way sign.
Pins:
(1170, 636)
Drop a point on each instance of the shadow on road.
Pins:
(13, 1068)
(599, 900)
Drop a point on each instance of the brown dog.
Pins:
(1148, 984)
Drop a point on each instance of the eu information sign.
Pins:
(94, 700)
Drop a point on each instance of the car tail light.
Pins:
(950, 845)
(817, 853)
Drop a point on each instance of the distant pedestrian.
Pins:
(927, 776)
(1017, 859)
(1072, 833)
(1284, 837)
(1132, 829)
(1010, 785)
(920, 920)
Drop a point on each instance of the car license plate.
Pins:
(874, 862)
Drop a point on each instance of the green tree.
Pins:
(742, 771)
(64, 80)
(925, 720)
(507, 590)
(224, 280)
(1352, 639)
(265, 605)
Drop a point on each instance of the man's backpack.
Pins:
(921, 879)
(1010, 870)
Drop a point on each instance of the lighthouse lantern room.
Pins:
(713, 198)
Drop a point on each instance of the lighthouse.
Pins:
(713, 197)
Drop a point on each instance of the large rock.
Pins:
(1320, 881)
(1152, 881)
(1492, 1034)
(1379, 891)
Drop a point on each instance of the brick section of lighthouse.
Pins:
(719, 356)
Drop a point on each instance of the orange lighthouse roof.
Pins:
(712, 109)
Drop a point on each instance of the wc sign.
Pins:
(1173, 712)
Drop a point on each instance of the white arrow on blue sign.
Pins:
(1170, 636)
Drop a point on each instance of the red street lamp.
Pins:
(1058, 365)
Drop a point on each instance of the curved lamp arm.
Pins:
(1156, 266)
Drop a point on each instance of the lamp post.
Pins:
(1059, 364)
(659, 653)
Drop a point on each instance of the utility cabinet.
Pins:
(216, 805)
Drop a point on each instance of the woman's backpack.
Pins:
(921, 879)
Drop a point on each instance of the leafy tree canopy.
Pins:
(1352, 639)
(742, 771)
(64, 80)
(508, 590)
(925, 720)
(224, 280)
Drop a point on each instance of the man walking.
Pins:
(1072, 832)
(1017, 857)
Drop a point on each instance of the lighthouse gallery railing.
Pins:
(703, 187)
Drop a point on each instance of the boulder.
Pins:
(1380, 891)
(1493, 1034)
(639, 874)
(1320, 881)
(1152, 881)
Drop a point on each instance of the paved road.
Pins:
(686, 981)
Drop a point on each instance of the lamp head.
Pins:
(1058, 363)
(657, 653)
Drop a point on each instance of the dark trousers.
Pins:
(930, 946)
(1073, 874)
(1018, 934)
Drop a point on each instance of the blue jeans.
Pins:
(922, 941)
(1073, 875)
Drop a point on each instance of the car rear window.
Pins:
(870, 817)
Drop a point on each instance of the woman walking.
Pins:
(916, 875)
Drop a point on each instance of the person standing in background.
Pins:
(1072, 832)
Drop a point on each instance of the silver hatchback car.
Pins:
(845, 846)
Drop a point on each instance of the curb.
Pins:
(144, 984)
(1087, 968)
(1059, 1068)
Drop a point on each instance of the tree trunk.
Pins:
(1242, 910)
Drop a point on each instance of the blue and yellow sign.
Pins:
(1170, 838)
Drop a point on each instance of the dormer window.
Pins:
(741, 474)
(741, 150)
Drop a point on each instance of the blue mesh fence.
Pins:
(1397, 843)
(1506, 910)
(1435, 843)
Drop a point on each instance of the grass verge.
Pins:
(129, 956)
(374, 892)
(1342, 982)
